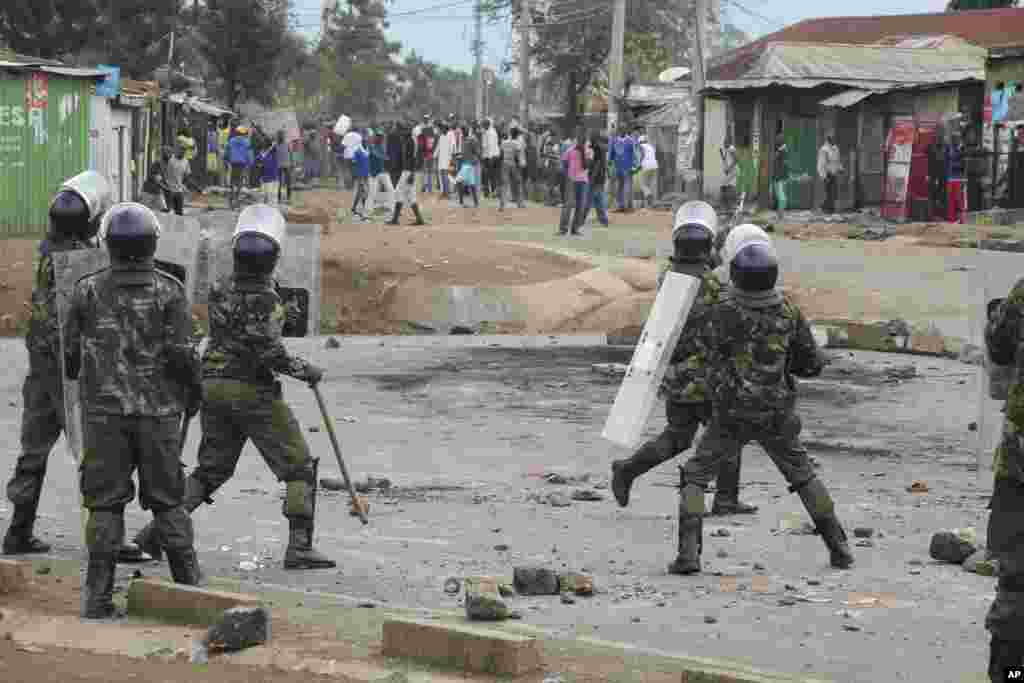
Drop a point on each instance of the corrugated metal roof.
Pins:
(847, 99)
(867, 67)
(56, 70)
(201, 106)
(666, 115)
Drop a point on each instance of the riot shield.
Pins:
(298, 270)
(176, 252)
(639, 389)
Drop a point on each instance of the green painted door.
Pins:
(802, 142)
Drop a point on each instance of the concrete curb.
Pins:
(178, 604)
(460, 341)
(469, 646)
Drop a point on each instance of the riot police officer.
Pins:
(127, 342)
(756, 339)
(75, 215)
(241, 398)
(687, 396)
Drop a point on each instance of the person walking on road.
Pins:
(132, 412)
(687, 387)
(242, 399)
(829, 168)
(74, 222)
(444, 158)
(283, 156)
(512, 162)
(490, 153)
(177, 170)
(468, 179)
(361, 173)
(598, 179)
(576, 159)
(1005, 618)
(623, 155)
(411, 162)
(756, 339)
(240, 158)
(780, 176)
(648, 176)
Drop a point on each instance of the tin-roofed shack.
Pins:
(45, 110)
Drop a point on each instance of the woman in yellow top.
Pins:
(187, 143)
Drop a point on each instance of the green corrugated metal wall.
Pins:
(39, 147)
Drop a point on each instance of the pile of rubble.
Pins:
(485, 595)
(959, 546)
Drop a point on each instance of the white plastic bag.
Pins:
(343, 125)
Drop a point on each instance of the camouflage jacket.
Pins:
(753, 355)
(43, 337)
(246, 323)
(686, 380)
(1003, 336)
(124, 331)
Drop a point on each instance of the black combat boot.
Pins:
(819, 505)
(98, 591)
(300, 553)
(419, 216)
(691, 531)
(148, 540)
(19, 539)
(647, 457)
(727, 490)
(397, 212)
(184, 566)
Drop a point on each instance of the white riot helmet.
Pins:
(693, 231)
(740, 236)
(79, 205)
(258, 239)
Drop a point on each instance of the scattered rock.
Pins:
(332, 484)
(556, 478)
(908, 371)
(452, 586)
(915, 562)
(44, 570)
(501, 547)
(758, 567)
(786, 602)
(240, 627)
(721, 554)
(972, 427)
(708, 619)
(865, 543)
(461, 329)
(851, 627)
(558, 499)
(332, 343)
(918, 487)
(485, 607)
(610, 369)
(947, 546)
(635, 620)
(248, 566)
(574, 582)
(31, 649)
(367, 605)
(360, 506)
(567, 599)
(535, 581)
(721, 532)
(977, 563)
(314, 429)
(586, 495)
(863, 532)
(813, 582)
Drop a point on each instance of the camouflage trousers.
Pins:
(115, 446)
(234, 412)
(42, 422)
(779, 435)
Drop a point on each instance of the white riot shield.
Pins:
(298, 270)
(177, 252)
(639, 390)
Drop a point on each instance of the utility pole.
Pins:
(698, 85)
(615, 64)
(478, 52)
(524, 62)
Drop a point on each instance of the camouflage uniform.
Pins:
(1005, 619)
(754, 353)
(42, 418)
(126, 329)
(242, 401)
(687, 402)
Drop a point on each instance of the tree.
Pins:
(133, 35)
(242, 41)
(966, 5)
(51, 29)
(363, 76)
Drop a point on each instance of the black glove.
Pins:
(993, 306)
(313, 375)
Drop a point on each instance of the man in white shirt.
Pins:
(829, 168)
(491, 155)
(349, 143)
(444, 157)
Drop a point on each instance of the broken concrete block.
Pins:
(557, 499)
(486, 607)
(14, 576)
(979, 563)
(466, 646)
(577, 583)
(947, 546)
(927, 343)
(240, 628)
(182, 604)
(588, 495)
(535, 581)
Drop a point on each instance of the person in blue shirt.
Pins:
(379, 176)
(954, 158)
(361, 173)
(623, 156)
(239, 156)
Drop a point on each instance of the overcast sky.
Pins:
(443, 34)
